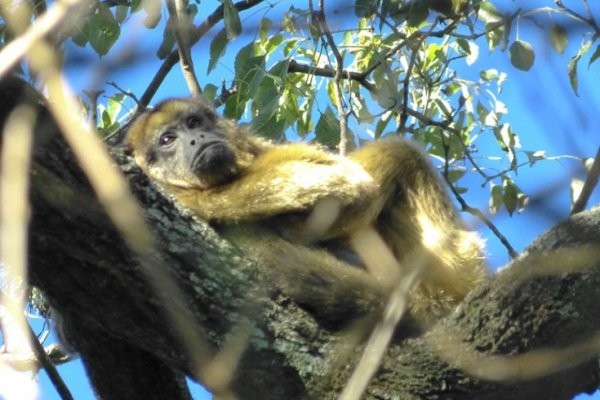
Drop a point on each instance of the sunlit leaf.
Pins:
(265, 25)
(535, 156)
(576, 187)
(487, 13)
(488, 74)
(494, 34)
(496, 199)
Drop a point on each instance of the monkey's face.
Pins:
(186, 148)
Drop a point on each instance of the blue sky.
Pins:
(543, 110)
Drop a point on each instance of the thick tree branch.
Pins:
(295, 66)
(545, 300)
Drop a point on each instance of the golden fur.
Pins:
(388, 185)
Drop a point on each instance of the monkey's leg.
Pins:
(334, 292)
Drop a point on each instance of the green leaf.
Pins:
(494, 35)
(521, 55)
(279, 72)
(559, 38)
(508, 141)
(572, 66)
(103, 30)
(417, 13)
(304, 124)
(249, 70)
(489, 74)
(496, 200)
(572, 72)
(471, 51)
(233, 25)
(235, 106)
(365, 8)
(105, 119)
(121, 13)
(510, 196)
(80, 37)
(455, 174)
(265, 25)
(273, 43)
(265, 107)
(217, 49)
(487, 13)
(167, 44)
(535, 156)
(209, 92)
(594, 56)
(115, 104)
(382, 124)
(327, 130)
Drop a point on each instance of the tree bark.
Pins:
(130, 348)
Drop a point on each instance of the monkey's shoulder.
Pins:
(300, 168)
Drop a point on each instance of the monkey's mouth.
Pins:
(213, 158)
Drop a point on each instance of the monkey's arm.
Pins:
(286, 180)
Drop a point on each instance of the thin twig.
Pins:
(179, 23)
(173, 56)
(473, 210)
(589, 21)
(51, 371)
(588, 186)
(127, 93)
(346, 142)
(407, 75)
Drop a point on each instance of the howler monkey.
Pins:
(229, 177)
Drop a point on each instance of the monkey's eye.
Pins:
(167, 138)
(193, 121)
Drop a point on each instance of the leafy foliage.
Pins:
(406, 68)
